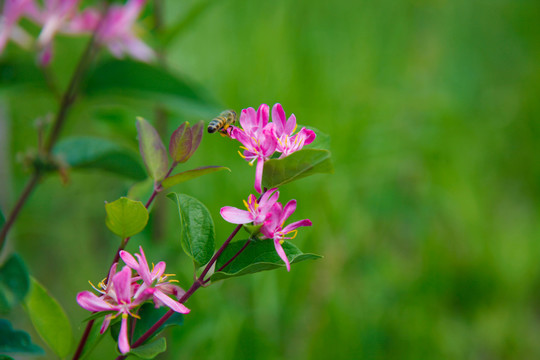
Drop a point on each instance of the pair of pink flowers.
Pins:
(123, 293)
(115, 30)
(261, 138)
(271, 215)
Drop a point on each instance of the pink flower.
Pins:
(117, 32)
(256, 213)
(118, 297)
(154, 282)
(284, 130)
(123, 293)
(55, 15)
(11, 13)
(273, 227)
(257, 138)
(260, 139)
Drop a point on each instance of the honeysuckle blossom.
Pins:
(273, 227)
(154, 282)
(257, 211)
(118, 32)
(260, 138)
(122, 293)
(118, 297)
(284, 129)
(12, 12)
(259, 142)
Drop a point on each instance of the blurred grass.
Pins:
(429, 227)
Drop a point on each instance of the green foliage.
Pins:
(180, 143)
(198, 235)
(14, 283)
(152, 150)
(139, 80)
(190, 174)
(2, 219)
(16, 341)
(94, 338)
(260, 255)
(126, 217)
(49, 319)
(96, 153)
(150, 350)
(150, 315)
(278, 172)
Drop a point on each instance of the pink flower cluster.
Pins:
(261, 138)
(115, 29)
(272, 215)
(123, 293)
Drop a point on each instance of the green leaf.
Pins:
(137, 79)
(49, 319)
(14, 283)
(198, 236)
(150, 315)
(20, 70)
(322, 140)
(126, 217)
(2, 219)
(197, 131)
(180, 143)
(190, 174)
(5, 357)
(260, 255)
(298, 165)
(150, 350)
(96, 153)
(16, 341)
(152, 150)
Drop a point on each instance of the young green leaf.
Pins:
(198, 236)
(2, 219)
(190, 174)
(49, 319)
(16, 341)
(152, 150)
(150, 350)
(96, 153)
(14, 283)
(180, 143)
(259, 256)
(298, 165)
(126, 217)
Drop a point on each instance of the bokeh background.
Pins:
(430, 226)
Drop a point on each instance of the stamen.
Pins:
(295, 233)
(242, 155)
(295, 126)
(174, 280)
(246, 204)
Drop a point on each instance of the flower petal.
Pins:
(295, 225)
(122, 285)
(235, 216)
(129, 260)
(105, 324)
(278, 119)
(91, 302)
(282, 255)
(123, 343)
(259, 174)
(288, 210)
(262, 116)
(291, 125)
(172, 304)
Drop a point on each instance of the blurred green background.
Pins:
(430, 226)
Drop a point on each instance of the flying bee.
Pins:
(222, 122)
